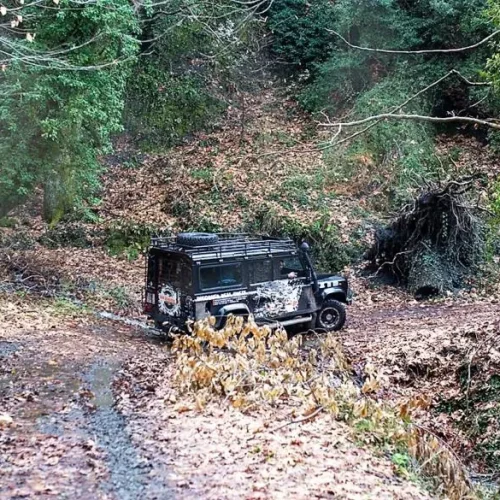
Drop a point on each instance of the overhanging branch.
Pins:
(422, 118)
(416, 52)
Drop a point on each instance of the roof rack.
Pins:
(229, 245)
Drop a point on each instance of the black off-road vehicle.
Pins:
(196, 275)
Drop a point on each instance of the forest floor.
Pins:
(87, 408)
(94, 414)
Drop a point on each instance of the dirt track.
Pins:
(70, 440)
(67, 439)
(384, 334)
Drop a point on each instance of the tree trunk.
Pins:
(58, 195)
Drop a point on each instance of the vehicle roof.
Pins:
(230, 245)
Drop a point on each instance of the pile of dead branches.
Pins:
(434, 241)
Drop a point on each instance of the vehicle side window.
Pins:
(187, 274)
(220, 276)
(291, 265)
(174, 272)
(260, 271)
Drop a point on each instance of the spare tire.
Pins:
(197, 239)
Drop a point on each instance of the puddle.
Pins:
(127, 473)
(8, 348)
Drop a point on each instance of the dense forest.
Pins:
(380, 82)
(77, 74)
(368, 128)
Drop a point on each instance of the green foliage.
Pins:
(480, 408)
(121, 296)
(298, 28)
(344, 80)
(162, 109)
(493, 64)
(178, 86)
(67, 307)
(66, 235)
(54, 122)
(8, 222)
(493, 228)
(329, 252)
(392, 25)
(129, 239)
(404, 149)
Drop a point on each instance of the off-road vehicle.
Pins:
(196, 275)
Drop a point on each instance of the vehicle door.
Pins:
(279, 287)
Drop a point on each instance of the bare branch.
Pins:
(422, 118)
(414, 52)
(410, 99)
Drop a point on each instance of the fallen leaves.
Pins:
(5, 420)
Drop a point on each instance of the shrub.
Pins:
(129, 239)
(66, 235)
(298, 29)
(162, 109)
(328, 251)
(401, 153)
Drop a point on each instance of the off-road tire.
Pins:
(224, 319)
(197, 239)
(331, 316)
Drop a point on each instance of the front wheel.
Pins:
(332, 316)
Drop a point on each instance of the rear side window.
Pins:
(220, 276)
(174, 272)
(260, 271)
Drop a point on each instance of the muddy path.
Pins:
(61, 378)
(67, 439)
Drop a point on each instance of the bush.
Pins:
(394, 156)
(298, 28)
(129, 239)
(163, 109)
(66, 235)
(328, 251)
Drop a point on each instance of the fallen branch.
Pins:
(416, 52)
(453, 72)
(300, 420)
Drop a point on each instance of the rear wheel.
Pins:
(224, 320)
(159, 325)
(332, 316)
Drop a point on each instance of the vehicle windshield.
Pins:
(292, 266)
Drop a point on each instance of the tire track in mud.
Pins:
(127, 473)
(70, 408)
